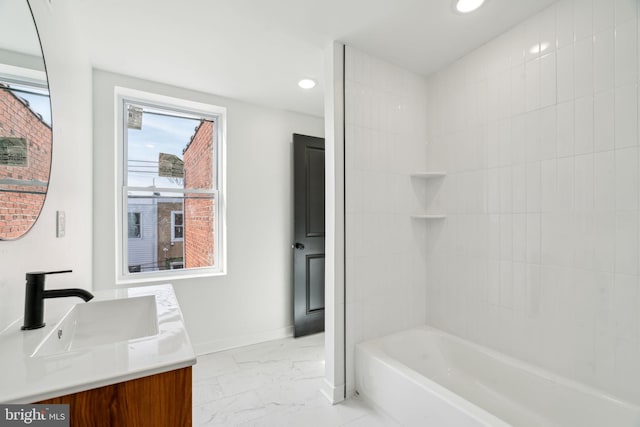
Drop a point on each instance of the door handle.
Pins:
(298, 246)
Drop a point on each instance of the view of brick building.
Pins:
(170, 246)
(199, 212)
(25, 162)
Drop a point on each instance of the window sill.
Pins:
(168, 275)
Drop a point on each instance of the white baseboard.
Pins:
(241, 341)
(335, 394)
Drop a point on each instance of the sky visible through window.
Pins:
(38, 100)
(159, 134)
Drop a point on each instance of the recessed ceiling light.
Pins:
(465, 6)
(306, 83)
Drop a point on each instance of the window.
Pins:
(177, 226)
(176, 265)
(172, 185)
(134, 225)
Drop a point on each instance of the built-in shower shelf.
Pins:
(428, 216)
(428, 175)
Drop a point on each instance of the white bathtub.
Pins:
(426, 377)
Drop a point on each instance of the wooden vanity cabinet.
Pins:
(155, 401)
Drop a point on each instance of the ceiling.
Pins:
(257, 50)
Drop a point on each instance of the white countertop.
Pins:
(27, 379)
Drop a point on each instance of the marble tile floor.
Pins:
(276, 383)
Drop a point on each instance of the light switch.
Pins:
(60, 224)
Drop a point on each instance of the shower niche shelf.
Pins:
(428, 216)
(428, 175)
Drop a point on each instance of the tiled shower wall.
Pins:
(385, 141)
(538, 256)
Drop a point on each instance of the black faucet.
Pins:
(35, 295)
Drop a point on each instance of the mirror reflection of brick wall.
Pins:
(23, 181)
(199, 212)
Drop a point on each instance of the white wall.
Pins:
(70, 184)
(385, 142)
(538, 256)
(253, 302)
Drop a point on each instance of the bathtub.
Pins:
(426, 377)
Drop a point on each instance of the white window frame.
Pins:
(173, 227)
(186, 107)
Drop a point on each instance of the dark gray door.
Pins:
(308, 248)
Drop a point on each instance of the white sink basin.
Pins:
(101, 322)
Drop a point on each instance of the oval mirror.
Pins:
(25, 121)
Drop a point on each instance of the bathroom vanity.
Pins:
(123, 358)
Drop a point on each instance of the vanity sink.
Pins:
(96, 323)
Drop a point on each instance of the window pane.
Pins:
(166, 150)
(177, 219)
(134, 224)
(177, 230)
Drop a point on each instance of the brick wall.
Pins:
(18, 211)
(199, 213)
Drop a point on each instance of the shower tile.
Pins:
(626, 116)
(549, 186)
(604, 121)
(626, 53)
(532, 84)
(506, 239)
(493, 289)
(564, 23)
(626, 366)
(504, 142)
(519, 237)
(506, 284)
(518, 89)
(515, 46)
(565, 129)
(506, 203)
(627, 243)
(603, 15)
(519, 287)
(565, 78)
(583, 250)
(583, 18)
(605, 180)
(533, 186)
(532, 136)
(547, 29)
(519, 185)
(533, 243)
(603, 60)
(626, 179)
(548, 80)
(548, 133)
(518, 139)
(624, 307)
(604, 241)
(625, 10)
(583, 133)
(566, 184)
(583, 67)
(584, 183)
(531, 38)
